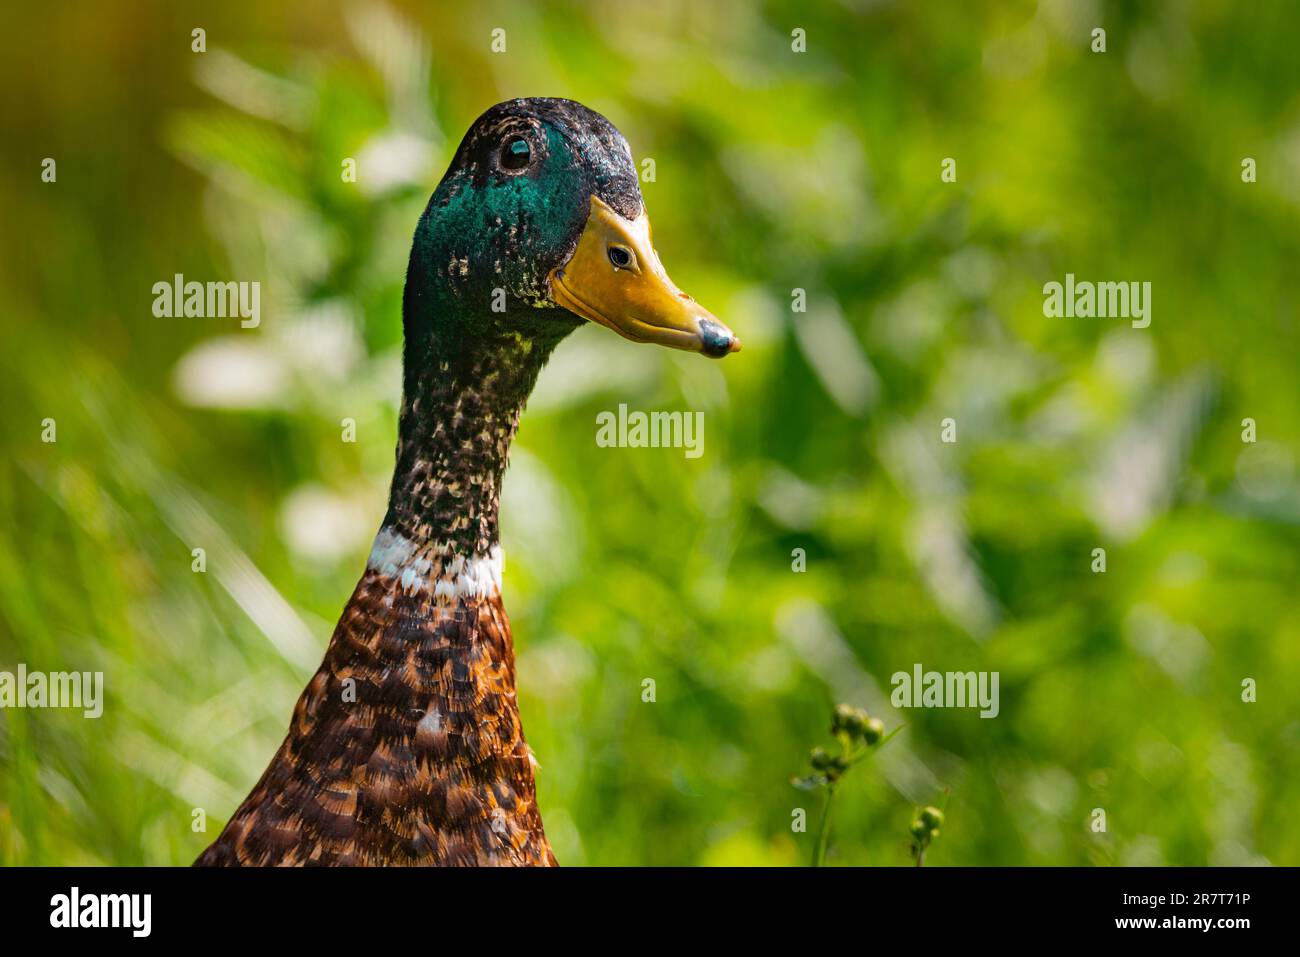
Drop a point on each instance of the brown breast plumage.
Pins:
(404, 749)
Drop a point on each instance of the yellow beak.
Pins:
(615, 278)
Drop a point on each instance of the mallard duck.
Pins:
(406, 746)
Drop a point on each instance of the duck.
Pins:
(406, 746)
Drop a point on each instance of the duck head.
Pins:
(537, 227)
(540, 220)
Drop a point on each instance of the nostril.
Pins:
(715, 338)
(620, 257)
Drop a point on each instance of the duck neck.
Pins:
(460, 411)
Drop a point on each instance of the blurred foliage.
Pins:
(774, 171)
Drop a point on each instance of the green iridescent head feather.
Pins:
(510, 208)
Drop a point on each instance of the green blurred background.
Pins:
(774, 171)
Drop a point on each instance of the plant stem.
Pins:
(823, 832)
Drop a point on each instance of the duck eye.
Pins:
(620, 256)
(515, 154)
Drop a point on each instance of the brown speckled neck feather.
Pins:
(406, 747)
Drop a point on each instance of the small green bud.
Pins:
(842, 718)
(819, 759)
(920, 831)
(873, 730)
(934, 834)
(855, 727)
(932, 817)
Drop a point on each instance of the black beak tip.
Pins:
(716, 339)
